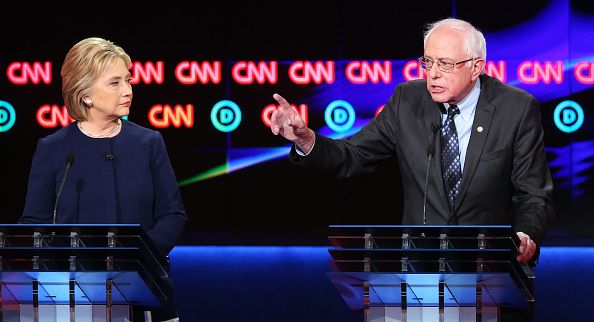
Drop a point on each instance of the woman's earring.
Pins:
(88, 102)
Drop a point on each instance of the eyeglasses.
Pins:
(445, 65)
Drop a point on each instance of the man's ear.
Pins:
(477, 68)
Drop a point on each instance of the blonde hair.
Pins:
(85, 61)
(475, 44)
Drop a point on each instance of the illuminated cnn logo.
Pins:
(147, 73)
(306, 72)
(536, 72)
(192, 72)
(365, 72)
(162, 116)
(584, 72)
(302, 110)
(249, 72)
(50, 116)
(21, 73)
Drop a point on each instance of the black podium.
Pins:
(429, 273)
(78, 272)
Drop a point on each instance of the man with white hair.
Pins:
(487, 138)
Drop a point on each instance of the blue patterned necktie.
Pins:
(450, 156)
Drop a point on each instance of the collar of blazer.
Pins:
(482, 119)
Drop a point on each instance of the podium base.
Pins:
(61, 313)
(430, 314)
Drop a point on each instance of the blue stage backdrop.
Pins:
(205, 80)
(255, 247)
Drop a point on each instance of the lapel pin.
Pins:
(479, 129)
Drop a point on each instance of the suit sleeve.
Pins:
(359, 154)
(40, 197)
(531, 176)
(169, 213)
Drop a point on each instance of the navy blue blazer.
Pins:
(124, 179)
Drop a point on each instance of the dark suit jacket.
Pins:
(506, 180)
(137, 186)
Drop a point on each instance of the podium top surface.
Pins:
(423, 236)
(430, 230)
(86, 228)
(77, 239)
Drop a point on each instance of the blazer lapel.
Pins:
(480, 130)
(432, 115)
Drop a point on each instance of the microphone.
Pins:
(430, 152)
(69, 162)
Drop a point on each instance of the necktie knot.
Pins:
(453, 110)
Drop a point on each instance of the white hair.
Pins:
(474, 41)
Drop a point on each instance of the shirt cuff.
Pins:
(303, 153)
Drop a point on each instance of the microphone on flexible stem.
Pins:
(430, 152)
(69, 162)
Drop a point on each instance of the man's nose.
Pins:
(434, 72)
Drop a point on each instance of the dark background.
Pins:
(273, 202)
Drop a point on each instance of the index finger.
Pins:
(283, 102)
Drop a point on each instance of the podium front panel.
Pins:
(429, 267)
